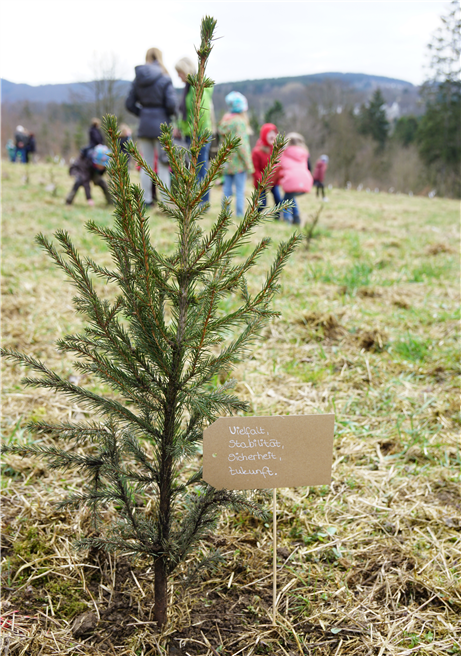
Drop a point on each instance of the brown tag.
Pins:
(249, 453)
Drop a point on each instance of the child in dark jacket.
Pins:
(94, 133)
(90, 167)
(260, 155)
(31, 146)
(125, 137)
(21, 139)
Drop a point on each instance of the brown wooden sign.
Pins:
(249, 453)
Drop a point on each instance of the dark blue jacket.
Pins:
(152, 97)
(95, 136)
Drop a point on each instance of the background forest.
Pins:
(337, 115)
(380, 133)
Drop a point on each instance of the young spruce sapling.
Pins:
(158, 346)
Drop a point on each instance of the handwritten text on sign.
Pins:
(248, 453)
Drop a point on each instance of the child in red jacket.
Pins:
(319, 174)
(260, 155)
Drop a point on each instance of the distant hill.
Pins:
(358, 81)
(47, 93)
(64, 93)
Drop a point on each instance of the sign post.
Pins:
(254, 453)
(274, 557)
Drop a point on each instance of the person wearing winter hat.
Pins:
(184, 68)
(21, 139)
(235, 124)
(260, 155)
(321, 166)
(90, 167)
(152, 97)
(295, 177)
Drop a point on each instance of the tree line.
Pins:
(417, 152)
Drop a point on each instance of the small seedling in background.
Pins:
(308, 230)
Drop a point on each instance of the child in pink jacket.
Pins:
(294, 174)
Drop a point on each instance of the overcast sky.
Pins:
(53, 41)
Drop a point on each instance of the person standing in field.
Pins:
(21, 139)
(239, 164)
(90, 167)
(295, 177)
(124, 138)
(95, 136)
(184, 68)
(11, 150)
(152, 98)
(31, 146)
(260, 155)
(321, 166)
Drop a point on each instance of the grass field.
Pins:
(369, 330)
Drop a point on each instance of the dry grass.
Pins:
(367, 566)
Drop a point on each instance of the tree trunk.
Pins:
(160, 587)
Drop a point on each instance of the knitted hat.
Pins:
(325, 158)
(266, 128)
(100, 155)
(236, 102)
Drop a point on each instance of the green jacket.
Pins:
(205, 119)
(240, 160)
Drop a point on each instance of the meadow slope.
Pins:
(369, 330)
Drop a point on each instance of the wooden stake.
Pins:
(274, 562)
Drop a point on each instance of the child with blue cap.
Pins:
(90, 167)
(239, 164)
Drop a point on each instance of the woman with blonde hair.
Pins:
(184, 68)
(152, 98)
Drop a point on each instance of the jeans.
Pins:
(291, 215)
(148, 148)
(277, 198)
(239, 180)
(22, 155)
(202, 166)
